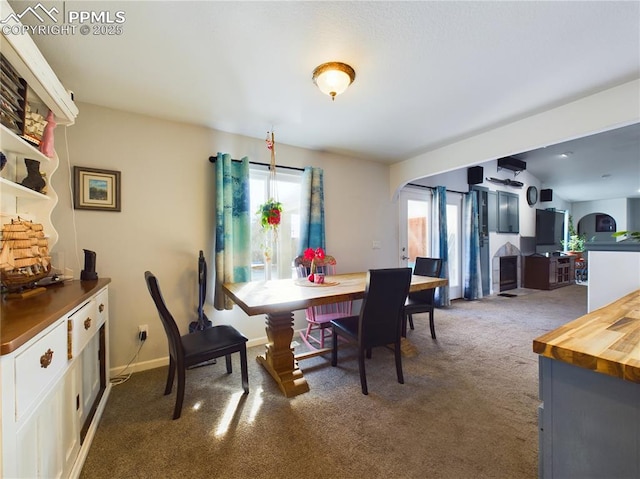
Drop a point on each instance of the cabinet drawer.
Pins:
(102, 304)
(38, 366)
(83, 324)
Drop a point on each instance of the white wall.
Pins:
(167, 217)
(599, 112)
(616, 208)
(612, 275)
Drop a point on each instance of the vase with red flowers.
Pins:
(312, 255)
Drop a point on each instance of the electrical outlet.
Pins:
(143, 332)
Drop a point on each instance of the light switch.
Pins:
(376, 244)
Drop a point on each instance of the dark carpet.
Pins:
(468, 408)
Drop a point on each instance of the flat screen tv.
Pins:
(545, 227)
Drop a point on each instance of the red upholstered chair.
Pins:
(319, 317)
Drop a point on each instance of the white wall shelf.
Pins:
(19, 191)
(24, 56)
(13, 143)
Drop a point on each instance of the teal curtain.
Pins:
(472, 278)
(312, 210)
(440, 243)
(233, 226)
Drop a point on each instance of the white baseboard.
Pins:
(160, 362)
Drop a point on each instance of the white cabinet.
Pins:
(54, 362)
(47, 442)
(45, 90)
(54, 386)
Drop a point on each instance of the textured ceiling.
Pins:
(428, 73)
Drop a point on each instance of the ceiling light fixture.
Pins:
(333, 78)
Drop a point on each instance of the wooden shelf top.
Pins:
(606, 340)
(22, 319)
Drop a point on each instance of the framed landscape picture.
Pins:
(96, 189)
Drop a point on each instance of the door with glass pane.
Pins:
(415, 232)
(454, 241)
(415, 206)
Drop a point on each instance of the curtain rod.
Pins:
(433, 188)
(213, 159)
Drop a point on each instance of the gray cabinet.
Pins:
(508, 213)
(589, 423)
(492, 211)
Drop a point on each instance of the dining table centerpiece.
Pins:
(312, 255)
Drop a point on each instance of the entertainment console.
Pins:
(548, 272)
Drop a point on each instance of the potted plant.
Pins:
(575, 244)
(270, 214)
(630, 235)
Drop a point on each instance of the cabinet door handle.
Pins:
(46, 358)
(87, 323)
(101, 307)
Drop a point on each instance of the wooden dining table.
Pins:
(278, 299)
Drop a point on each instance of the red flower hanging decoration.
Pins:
(271, 211)
(270, 214)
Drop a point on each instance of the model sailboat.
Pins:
(24, 257)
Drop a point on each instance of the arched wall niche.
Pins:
(597, 227)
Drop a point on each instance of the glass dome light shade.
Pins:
(333, 78)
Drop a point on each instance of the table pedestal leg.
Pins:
(407, 348)
(279, 360)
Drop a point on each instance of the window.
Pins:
(417, 229)
(285, 248)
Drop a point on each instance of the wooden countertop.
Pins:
(23, 319)
(284, 295)
(606, 340)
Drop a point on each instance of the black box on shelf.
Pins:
(546, 195)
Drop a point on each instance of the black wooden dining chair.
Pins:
(422, 301)
(197, 347)
(380, 319)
